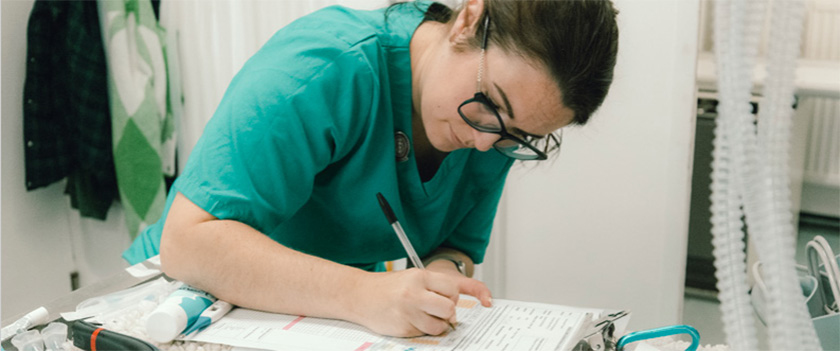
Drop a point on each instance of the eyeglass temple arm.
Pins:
(556, 140)
(483, 48)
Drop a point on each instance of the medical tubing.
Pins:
(767, 202)
(736, 33)
(816, 252)
(87, 336)
(832, 268)
(832, 264)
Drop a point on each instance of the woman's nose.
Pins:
(484, 141)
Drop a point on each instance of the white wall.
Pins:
(606, 224)
(28, 251)
(43, 240)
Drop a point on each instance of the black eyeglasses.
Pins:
(481, 113)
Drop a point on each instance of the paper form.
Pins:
(262, 330)
(508, 325)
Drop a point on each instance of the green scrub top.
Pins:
(304, 138)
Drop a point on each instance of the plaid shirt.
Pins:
(66, 116)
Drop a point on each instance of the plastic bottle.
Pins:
(180, 310)
(37, 317)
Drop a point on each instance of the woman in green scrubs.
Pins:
(276, 209)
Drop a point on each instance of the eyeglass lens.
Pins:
(481, 116)
(484, 118)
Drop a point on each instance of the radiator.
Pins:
(822, 23)
(822, 155)
(821, 173)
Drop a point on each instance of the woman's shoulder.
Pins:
(334, 25)
(309, 44)
(348, 27)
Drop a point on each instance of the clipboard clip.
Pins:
(600, 334)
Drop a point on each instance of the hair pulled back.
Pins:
(577, 40)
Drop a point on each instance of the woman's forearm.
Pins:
(238, 264)
(245, 267)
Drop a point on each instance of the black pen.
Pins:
(392, 219)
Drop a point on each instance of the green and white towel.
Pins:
(142, 123)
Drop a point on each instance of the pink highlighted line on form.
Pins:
(290, 325)
(364, 346)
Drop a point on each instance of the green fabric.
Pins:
(66, 117)
(141, 120)
(304, 139)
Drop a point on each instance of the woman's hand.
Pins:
(414, 302)
(467, 286)
(406, 303)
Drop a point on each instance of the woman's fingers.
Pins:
(443, 284)
(437, 305)
(477, 289)
(430, 324)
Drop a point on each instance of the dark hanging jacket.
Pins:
(66, 118)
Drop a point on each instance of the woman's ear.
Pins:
(466, 23)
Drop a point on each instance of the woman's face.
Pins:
(528, 99)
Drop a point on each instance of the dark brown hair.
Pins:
(577, 40)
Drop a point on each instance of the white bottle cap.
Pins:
(166, 322)
(38, 316)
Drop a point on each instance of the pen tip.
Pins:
(386, 208)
